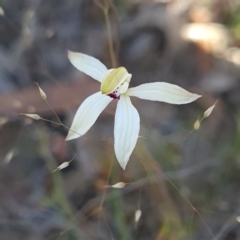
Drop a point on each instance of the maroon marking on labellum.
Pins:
(115, 94)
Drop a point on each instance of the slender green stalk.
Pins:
(118, 213)
(109, 37)
(105, 8)
(117, 29)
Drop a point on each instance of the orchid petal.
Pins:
(87, 64)
(87, 114)
(126, 130)
(163, 92)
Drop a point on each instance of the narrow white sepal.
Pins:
(126, 130)
(87, 64)
(87, 114)
(163, 92)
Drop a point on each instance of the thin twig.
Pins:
(190, 204)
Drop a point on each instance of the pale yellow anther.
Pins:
(113, 79)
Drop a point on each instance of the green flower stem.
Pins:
(56, 196)
(109, 37)
(117, 205)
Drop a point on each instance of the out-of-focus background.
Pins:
(184, 183)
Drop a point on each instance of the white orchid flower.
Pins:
(114, 85)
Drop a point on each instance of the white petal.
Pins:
(87, 64)
(126, 130)
(87, 114)
(163, 92)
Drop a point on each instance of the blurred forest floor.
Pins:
(185, 183)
